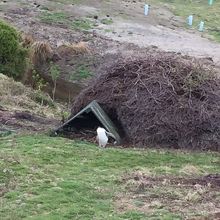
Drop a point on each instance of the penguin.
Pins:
(102, 137)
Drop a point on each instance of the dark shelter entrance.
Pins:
(87, 120)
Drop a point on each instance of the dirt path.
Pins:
(124, 22)
(129, 25)
(165, 39)
(161, 29)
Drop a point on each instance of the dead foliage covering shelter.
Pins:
(160, 100)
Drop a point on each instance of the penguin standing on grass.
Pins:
(102, 137)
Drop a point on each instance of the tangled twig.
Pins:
(161, 100)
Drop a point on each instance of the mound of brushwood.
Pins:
(162, 100)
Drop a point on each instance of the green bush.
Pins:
(13, 57)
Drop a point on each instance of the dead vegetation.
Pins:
(188, 197)
(25, 109)
(41, 52)
(27, 40)
(17, 97)
(68, 49)
(161, 100)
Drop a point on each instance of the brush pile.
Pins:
(161, 100)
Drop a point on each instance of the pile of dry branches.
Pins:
(161, 100)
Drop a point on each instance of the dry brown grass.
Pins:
(67, 48)
(27, 40)
(41, 52)
(184, 196)
(16, 97)
(190, 170)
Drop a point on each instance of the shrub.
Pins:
(13, 57)
(55, 73)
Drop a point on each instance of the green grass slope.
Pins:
(54, 178)
(201, 11)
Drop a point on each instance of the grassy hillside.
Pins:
(17, 97)
(201, 12)
(55, 178)
(200, 9)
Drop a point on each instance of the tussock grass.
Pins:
(67, 48)
(41, 52)
(27, 40)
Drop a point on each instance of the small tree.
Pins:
(13, 57)
(55, 73)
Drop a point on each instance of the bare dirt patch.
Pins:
(191, 197)
(25, 121)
